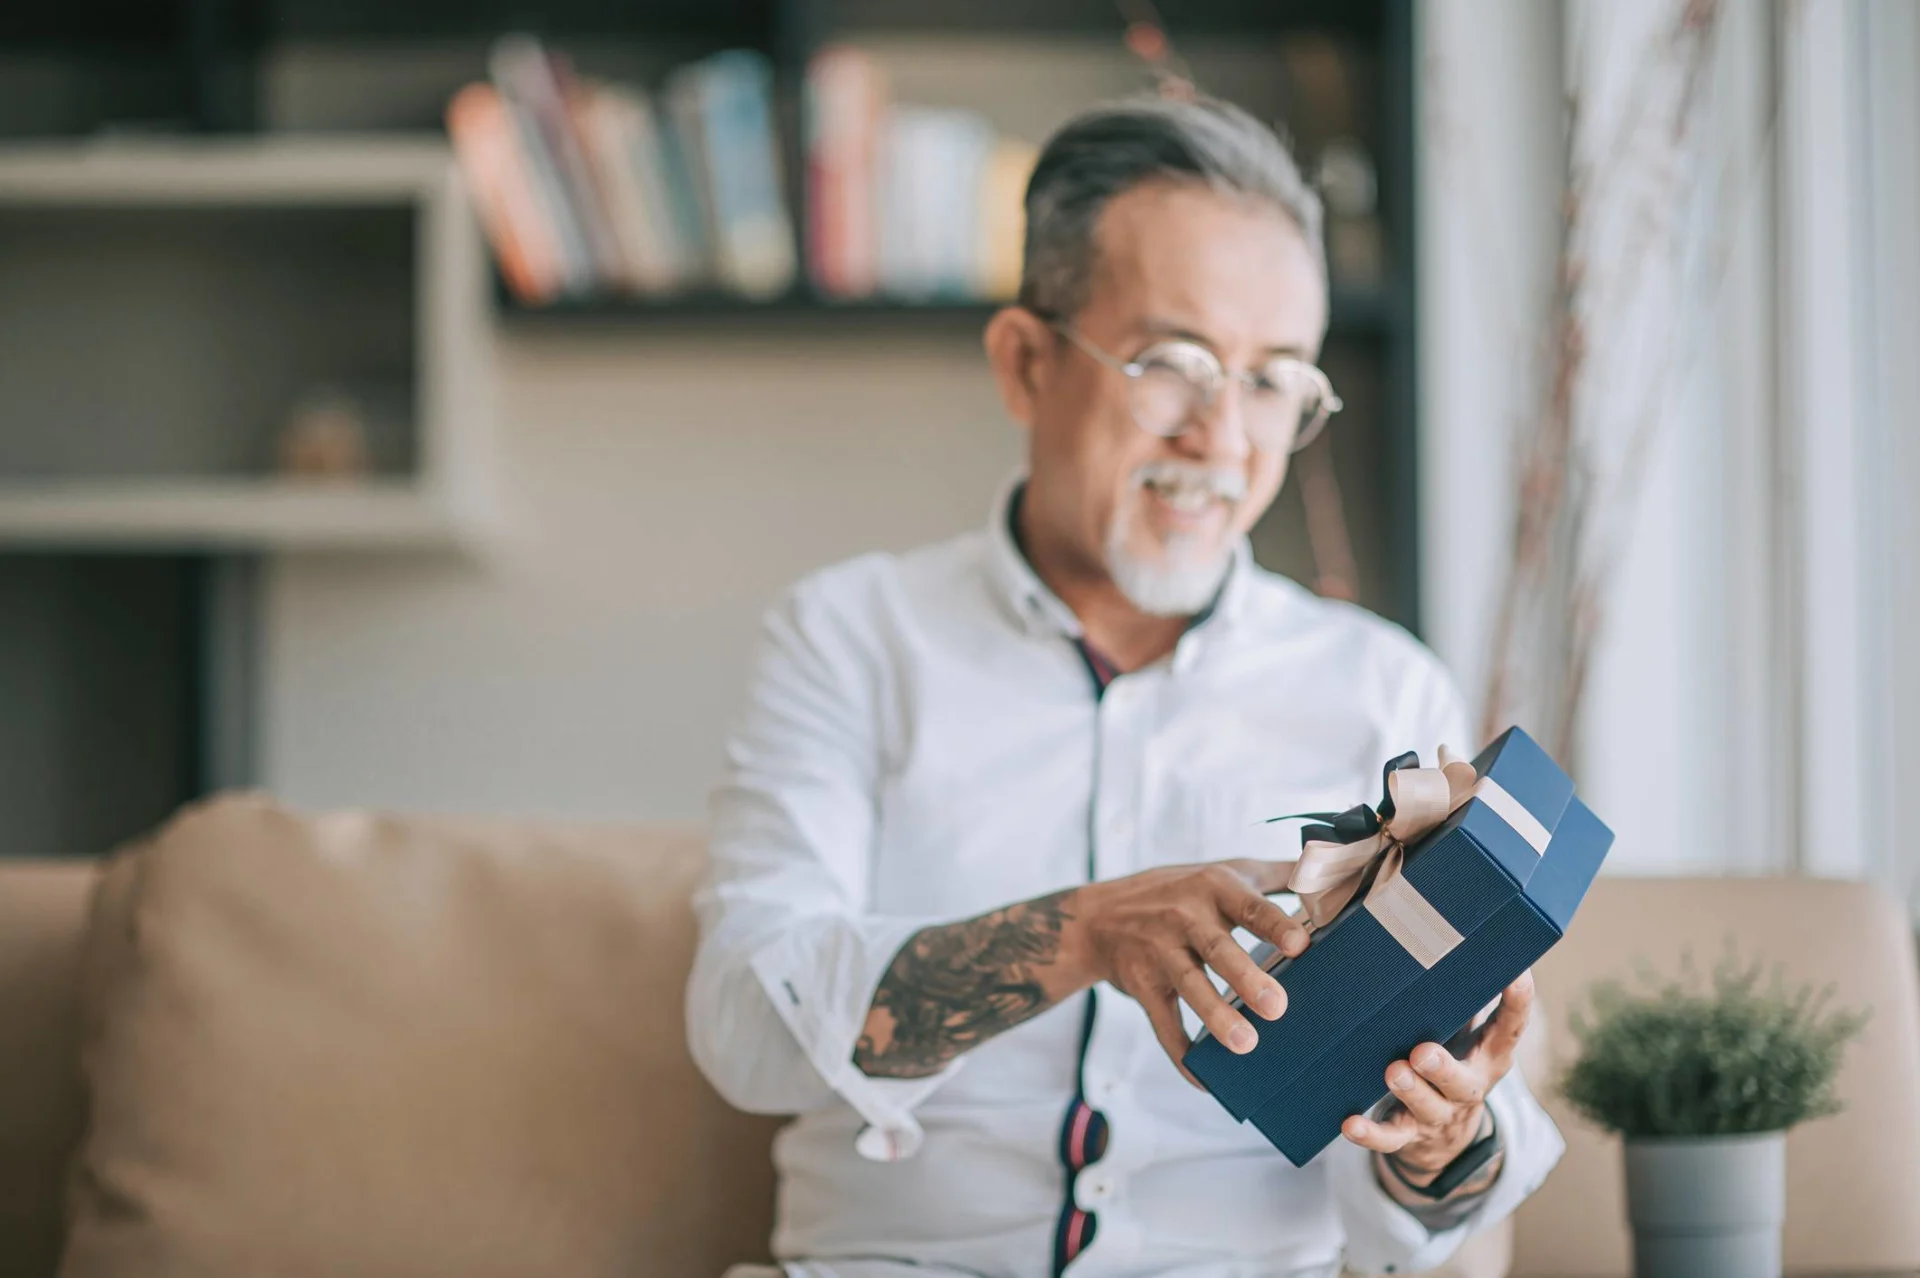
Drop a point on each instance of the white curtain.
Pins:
(1754, 700)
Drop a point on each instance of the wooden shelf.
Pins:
(1184, 18)
(225, 172)
(1355, 312)
(226, 514)
(222, 279)
(692, 306)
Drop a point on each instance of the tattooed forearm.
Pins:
(955, 986)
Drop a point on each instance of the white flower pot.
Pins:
(1707, 1206)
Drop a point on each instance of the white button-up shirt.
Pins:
(923, 743)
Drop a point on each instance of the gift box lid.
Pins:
(1488, 851)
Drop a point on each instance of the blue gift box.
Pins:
(1506, 881)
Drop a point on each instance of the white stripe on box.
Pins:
(1510, 810)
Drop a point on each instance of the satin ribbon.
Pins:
(1364, 850)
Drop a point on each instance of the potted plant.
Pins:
(1703, 1084)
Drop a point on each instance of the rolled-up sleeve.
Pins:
(789, 955)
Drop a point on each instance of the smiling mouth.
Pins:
(1184, 497)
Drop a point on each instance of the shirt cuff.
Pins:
(1383, 1237)
(821, 976)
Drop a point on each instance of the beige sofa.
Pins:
(265, 1044)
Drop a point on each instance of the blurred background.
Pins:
(415, 404)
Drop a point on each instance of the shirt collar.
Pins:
(1039, 611)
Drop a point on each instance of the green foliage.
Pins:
(1743, 1055)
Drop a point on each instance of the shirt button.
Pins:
(1120, 829)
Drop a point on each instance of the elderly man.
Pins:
(990, 819)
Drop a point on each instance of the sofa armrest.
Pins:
(43, 912)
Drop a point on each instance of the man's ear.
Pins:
(1019, 345)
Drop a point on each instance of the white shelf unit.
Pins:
(152, 363)
(214, 514)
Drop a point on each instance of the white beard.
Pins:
(1176, 584)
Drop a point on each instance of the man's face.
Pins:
(1159, 516)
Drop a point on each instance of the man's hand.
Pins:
(956, 985)
(1152, 935)
(1442, 1100)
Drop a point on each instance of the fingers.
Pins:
(1461, 1082)
(1229, 1026)
(1421, 1098)
(1246, 906)
(1163, 1012)
(1381, 1138)
(1217, 948)
(1501, 1035)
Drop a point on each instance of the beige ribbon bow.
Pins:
(1328, 874)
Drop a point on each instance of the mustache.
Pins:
(1221, 482)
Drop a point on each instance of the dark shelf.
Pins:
(246, 24)
(1359, 18)
(1369, 313)
(95, 25)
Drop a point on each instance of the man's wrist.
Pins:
(1414, 1184)
(1075, 966)
(1423, 1171)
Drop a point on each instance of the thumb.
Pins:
(1267, 877)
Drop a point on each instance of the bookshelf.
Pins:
(223, 279)
(376, 67)
(295, 149)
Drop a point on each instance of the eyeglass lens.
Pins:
(1177, 383)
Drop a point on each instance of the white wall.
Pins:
(665, 486)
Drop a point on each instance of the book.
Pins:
(845, 105)
(538, 84)
(1001, 242)
(752, 230)
(486, 144)
(930, 164)
(684, 151)
(963, 142)
(548, 195)
(902, 256)
(615, 125)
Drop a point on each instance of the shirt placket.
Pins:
(1123, 724)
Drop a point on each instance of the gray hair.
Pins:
(1110, 149)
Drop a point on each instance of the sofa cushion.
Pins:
(362, 1045)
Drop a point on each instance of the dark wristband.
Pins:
(1469, 1163)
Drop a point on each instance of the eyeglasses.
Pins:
(1285, 402)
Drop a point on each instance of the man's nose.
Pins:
(1218, 430)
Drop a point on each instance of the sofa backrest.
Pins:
(43, 907)
(1852, 1176)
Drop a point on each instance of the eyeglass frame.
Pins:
(1330, 403)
